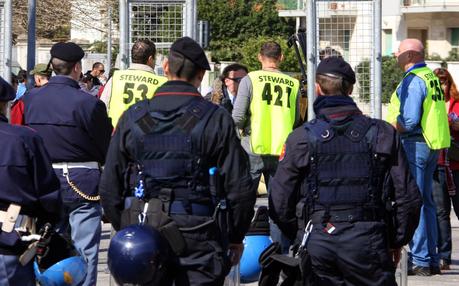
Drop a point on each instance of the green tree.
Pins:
(391, 76)
(234, 22)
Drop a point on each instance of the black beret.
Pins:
(336, 66)
(191, 50)
(69, 52)
(7, 92)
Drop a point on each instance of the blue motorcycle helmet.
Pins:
(68, 272)
(255, 242)
(250, 268)
(135, 254)
(60, 264)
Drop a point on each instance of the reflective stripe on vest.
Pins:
(273, 109)
(129, 87)
(436, 132)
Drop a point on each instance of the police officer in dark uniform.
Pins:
(29, 191)
(348, 175)
(76, 130)
(175, 138)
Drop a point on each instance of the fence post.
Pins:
(377, 59)
(124, 34)
(311, 55)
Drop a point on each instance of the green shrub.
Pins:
(391, 76)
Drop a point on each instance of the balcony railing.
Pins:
(428, 3)
(429, 6)
(290, 4)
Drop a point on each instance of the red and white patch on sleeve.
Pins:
(282, 154)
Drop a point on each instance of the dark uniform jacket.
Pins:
(26, 175)
(219, 143)
(294, 166)
(73, 124)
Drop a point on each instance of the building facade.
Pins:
(434, 22)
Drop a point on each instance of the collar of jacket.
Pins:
(62, 79)
(141, 67)
(335, 108)
(177, 87)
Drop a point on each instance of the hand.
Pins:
(396, 255)
(235, 252)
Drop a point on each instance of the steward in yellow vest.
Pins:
(129, 87)
(138, 82)
(434, 122)
(273, 110)
(266, 110)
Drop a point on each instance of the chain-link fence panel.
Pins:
(348, 29)
(160, 21)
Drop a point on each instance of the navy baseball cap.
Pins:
(338, 67)
(7, 92)
(192, 51)
(69, 52)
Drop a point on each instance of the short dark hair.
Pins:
(96, 65)
(271, 50)
(14, 79)
(22, 76)
(181, 66)
(142, 50)
(61, 67)
(232, 67)
(333, 85)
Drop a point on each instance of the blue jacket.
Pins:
(73, 124)
(26, 175)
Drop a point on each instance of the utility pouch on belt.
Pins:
(157, 218)
(10, 217)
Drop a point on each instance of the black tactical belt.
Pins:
(346, 216)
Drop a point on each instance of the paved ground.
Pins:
(448, 278)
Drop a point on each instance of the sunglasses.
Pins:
(236, 79)
(102, 71)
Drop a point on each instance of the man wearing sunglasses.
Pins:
(97, 72)
(225, 89)
(93, 76)
(266, 109)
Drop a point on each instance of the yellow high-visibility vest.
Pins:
(273, 110)
(434, 120)
(129, 87)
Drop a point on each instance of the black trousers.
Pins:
(205, 262)
(351, 254)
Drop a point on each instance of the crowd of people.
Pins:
(158, 139)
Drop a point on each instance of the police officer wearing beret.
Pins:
(29, 191)
(175, 138)
(348, 175)
(76, 130)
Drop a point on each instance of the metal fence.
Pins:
(162, 21)
(350, 29)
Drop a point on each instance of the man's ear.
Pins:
(197, 80)
(281, 58)
(318, 89)
(260, 58)
(151, 61)
(351, 90)
(166, 67)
